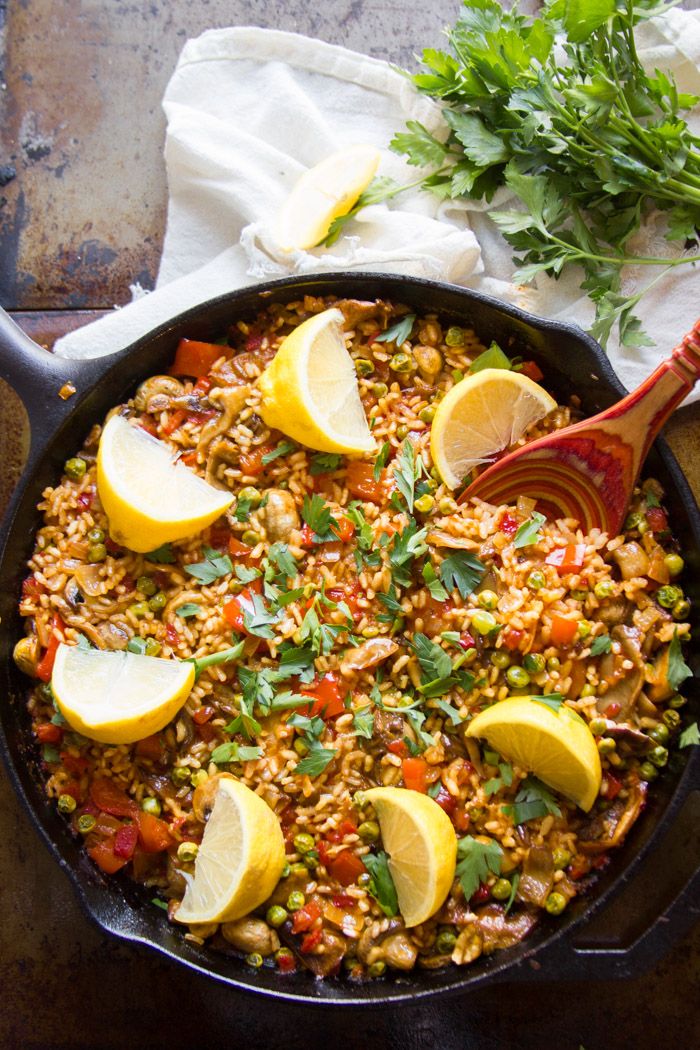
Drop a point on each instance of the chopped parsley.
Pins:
(437, 591)
(244, 574)
(408, 471)
(689, 736)
(462, 571)
(318, 517)
(678, 669)
(505, 779)
(475, 861)
(405, 547)
(283, 449)
(324, 463)
(244, 722)
(363, 724)
(399, 332)
(380, 461)
(214, 566)
(234, 752)
(437, 671)
(491, 358)
(601, 644)
(381, 884)
(225, 656)
(187, 610)
(529, 531)
(162, 555)
(532, 800)
(280, 556)
(552, 700)
(259, 621)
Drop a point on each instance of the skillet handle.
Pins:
(658, 905)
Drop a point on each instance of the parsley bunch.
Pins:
(590, 144)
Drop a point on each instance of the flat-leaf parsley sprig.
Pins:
(589, 145)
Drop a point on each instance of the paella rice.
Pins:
(378, 617)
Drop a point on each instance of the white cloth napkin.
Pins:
(248, 110)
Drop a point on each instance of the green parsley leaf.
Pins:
(233, 752)
(434, 661)
(296, 661)
(437, 591)
(214, 566)
(405, 547)
(491, 358)
(319, 518)
(243, 509)
(50, 754)
(399, 332)
(136, 645)
(244, 722)
(225, 656)
(452, 713)
(162, 555)
(514, 882)
(529, 531)
(324, 463)
(187, 610)
(259, 621)
(283, 449)
(532, 800)
(363, 723)
(601, 644)
(159, 903)
(280, 555)
(678, 669)
(552, 700)
(316, 760)
(475, 861)
(462, 571)
(244, 574)
(689, 736)
(380, 461)
(381, 884)
(408, 470)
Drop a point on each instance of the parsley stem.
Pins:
(226, 656)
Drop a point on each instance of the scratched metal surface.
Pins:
(82, 218)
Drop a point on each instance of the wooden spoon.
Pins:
(587, 471)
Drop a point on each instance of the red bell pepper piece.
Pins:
(235, 609)
(343, 900)
(327, 699)
(305, 917)
(252, 462)
(509, 524)
(414, 771)
(48, 733)
(75, 764)
(153, 833)
(125, 841)
(563, 630)
(105, 858)
(398, 747)
(532, 370)
(44, 668)
(345, 530)
(202, 386)
(346, 868)
(193, 358)
(567, 559)
(237, 549)
(286, 963)
(656, 516)
(311, 941)
(446, 801)
(361, 482)
(174, 421)
(345, 828)
(111, 799)
(512, 637)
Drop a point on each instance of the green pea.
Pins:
(536, 579)
(643, 527)
(500, 658)
(454, 336)
(251, 495)
(152, 647)
(517, 677)
(295, 900)
(75, 468)
(427, 414)
(534, 663)
(96, 536)
(286, 871)
(445, 942)
(276, 915)
(303, 842)
(677, 701)
(66, 804)
(364, 879)
(579, 595)
(633, 520)
(584, 628)
(674, 563)
(671, 719)
(376, 969)
(587, 690)
(553, 663)
(187, 852)
(647, 771)
(668, 596)
(604, 589)
(562, 857)
(86, 822)
(146, 586)
(180, 775)
(402, 362)
(483, 622)
(301, 747)
(255, 960)
(368, 831)
(402, 431)
(659, 734)
(157, 602)
(139, 610)
(658, 756)
(250, 538)
(447, 505)
(606, 745)
(363, 367)
(380, 390)
(501, 890)
(424, 503)
(597, 726)
(457, 375)
(151, 805)
(97, 552)
(555, 903)
(199, 777)
(487, 599)
(681, 609)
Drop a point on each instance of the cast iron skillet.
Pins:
(654, 908)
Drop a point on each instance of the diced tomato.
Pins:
(125, 841)
(31, 588)
(612, 710)
(509, 524)
(48, 733)
(234, 609)
(171, 635)
(346, 868)
(460, 819)
(237, 549)
(362, 484)
(151, 747)
(345, 530)
(193, 358)
(481, 895)
(327, 699)
(75, 764)
(202, 386)
(286, 963)
(567, 559)
(398, 747)
(110, 798)
(345, 828)
(149, 428)
(219, 537)
(563, 630)
(154, 833)
(203, 714)
(307, 537)
(85, 499)
(322, 848)
(44, 668)
(414, 772)
(656, 516)
(611, 786)
(512, 637)
(174, 421)
(311, 940)
(252, 462)
(532, 370)
(350, 593)
(343, 900)
(105, 858)
(466, 640)
(446, 801)
(305, 917)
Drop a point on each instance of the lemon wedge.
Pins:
(422, 846)
(240, 859)
(118, 697)
(322, 194)
(148, 497)
(557, 746)
(309, 390)
(480, 416)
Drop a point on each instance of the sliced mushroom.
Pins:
(503, 931)
(625, 685)
(26, 655)
(112, 636)
(369, 654)
(279, 517)
(658, 686)
(615, 610)
(204, 795)
(73, 595)
(632, 560)
(440, 538)
(633, 739)
(230, 400)
(156, 386)
(537, 877)
(221, 450)
(469, 946)
(429, 361)
(608, 829)
(386, 940)
(90, 580)
(251, 935)
(356, 310)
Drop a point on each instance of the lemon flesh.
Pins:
(323, 193)
(480, 416)
(309, 390)
(118, 697)
(422, 846)
(557, 746)
(149, 497)
(240, 859)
